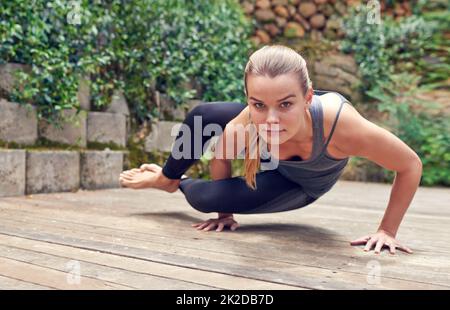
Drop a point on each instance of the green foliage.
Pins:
(406, 40)
(421, 6)
(384, 48)
(398, 61)
(436, 69)
(136, 154)
(178, 41)
(37, 33)
(367, 42)
(141, 46)
(412, 120)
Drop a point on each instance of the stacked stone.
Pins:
(307, 18)
(397, 10)
(295, 18)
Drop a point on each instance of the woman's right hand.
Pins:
(220, 223)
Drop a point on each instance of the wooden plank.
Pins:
(346, 213)
(436, 224)
(369, 195)
(364, 195)
(415, 268)
(118, 214)
(427, 242)
(45, 253)
(132, 205)
(422, 263)
(49, 277)
(14, 284)
(100, 272)
(305, 276)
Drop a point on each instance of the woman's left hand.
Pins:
(380, 239)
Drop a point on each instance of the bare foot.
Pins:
(149, 176)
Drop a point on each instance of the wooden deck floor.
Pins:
(126, 239)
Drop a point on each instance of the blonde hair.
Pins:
(272, 61)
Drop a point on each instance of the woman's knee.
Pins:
(219, 112)
(199, 110)
(199, 197)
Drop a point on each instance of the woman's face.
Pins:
(278, 104)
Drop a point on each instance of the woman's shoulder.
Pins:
(331, 102)
(348, 118)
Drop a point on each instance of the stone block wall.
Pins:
(32, 171)
(26, 172)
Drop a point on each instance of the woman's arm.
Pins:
(220, 166)
(221, 169)
(360, 137)
(385, 149)
(403, 190)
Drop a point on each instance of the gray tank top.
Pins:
(320, 172)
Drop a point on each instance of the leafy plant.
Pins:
(37, 34)
(367, 41)
(388, 47)
(140, 46)
(412, 119)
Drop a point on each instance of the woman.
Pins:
(309, 135)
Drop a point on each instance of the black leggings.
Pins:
(274, 192)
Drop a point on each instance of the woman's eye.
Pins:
(259, 105)
(285, 104)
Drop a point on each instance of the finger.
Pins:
(359, 241)
(197, 224)
(378, 246)
(203, 225)
(206, 223)
(209, 227)
(404, 249)
(234, 226)
(392, 249)
(220, 227)
(369, 244)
